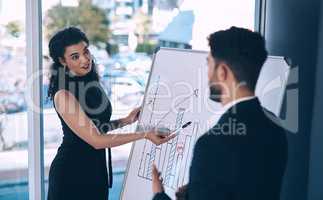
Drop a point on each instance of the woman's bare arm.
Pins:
(119, 123)
(70, 110)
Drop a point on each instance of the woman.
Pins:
(79, 169)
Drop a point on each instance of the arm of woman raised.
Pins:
(72, 113)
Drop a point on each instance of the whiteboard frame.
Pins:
(140, 115)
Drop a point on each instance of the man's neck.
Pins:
(240, 94)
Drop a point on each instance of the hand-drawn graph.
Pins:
(171, 158)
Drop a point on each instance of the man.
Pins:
(243, 157)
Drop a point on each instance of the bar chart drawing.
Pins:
(171, 158)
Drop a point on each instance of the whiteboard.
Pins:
(178, 92)
(272, 83)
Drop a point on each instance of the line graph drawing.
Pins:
(153, 100)
(195, 93)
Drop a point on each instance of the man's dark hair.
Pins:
(242, 50)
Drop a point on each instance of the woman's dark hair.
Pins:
(244, 52)
(57, 45)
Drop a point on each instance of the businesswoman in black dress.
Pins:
(79, 170)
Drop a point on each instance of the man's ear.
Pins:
(62, 61)
(222, 72)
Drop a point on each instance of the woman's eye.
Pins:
(75, 57)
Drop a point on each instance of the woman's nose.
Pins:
(85, 59)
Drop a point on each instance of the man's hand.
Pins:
(181, 193)
(157, 181)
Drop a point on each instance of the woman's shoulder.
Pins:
(63, 96)
(62, 93)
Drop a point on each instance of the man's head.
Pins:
(234, 63)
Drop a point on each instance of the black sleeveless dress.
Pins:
(78, 170)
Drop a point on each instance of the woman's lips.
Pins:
(86, 66)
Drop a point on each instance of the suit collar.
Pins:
(235, 102)
(243, 107)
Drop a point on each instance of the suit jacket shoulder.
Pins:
(245, 150)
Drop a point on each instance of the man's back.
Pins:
(243, 157)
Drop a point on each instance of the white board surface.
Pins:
(272, 83)
(177, 92)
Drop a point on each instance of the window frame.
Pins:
(36, 184)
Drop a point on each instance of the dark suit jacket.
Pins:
(243, 157)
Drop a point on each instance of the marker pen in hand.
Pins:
(181, 128)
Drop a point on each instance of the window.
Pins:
(194, 21)
(13, 115)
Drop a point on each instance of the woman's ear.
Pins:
(62, 61)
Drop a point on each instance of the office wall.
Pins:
(315, 191)
(291, 29)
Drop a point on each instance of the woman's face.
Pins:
(77, 58)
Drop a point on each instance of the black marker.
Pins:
(181, 128)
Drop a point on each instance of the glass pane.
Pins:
(190, 25)
(123, 35)
(13, 115)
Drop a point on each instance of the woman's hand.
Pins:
(157, 181)
(158, 137)
(132, 116)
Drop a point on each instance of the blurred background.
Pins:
(123, 36)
